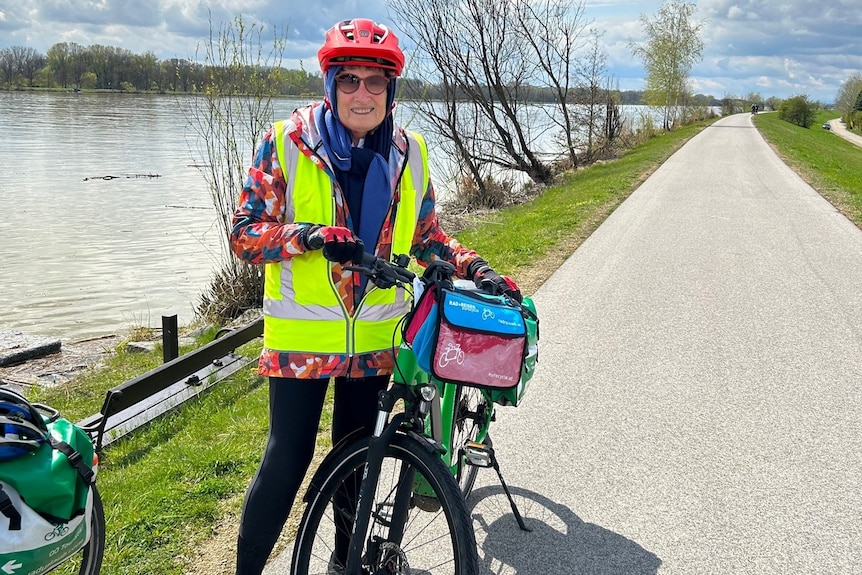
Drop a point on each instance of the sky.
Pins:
(766, 47)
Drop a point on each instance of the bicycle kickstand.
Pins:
(517, 513)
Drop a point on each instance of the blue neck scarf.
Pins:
(374, 194)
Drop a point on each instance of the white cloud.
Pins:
(746, 41)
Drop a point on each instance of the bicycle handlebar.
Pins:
(383, 273)
(387, 274)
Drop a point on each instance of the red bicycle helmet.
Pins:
(361, 42)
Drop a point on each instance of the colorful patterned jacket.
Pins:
(263, 232)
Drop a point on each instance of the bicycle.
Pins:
(394, 502)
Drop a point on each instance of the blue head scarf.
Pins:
(376, 193)
(337, 139)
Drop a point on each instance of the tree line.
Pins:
(71, 66)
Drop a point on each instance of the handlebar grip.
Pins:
(490, 287)
(368, 259)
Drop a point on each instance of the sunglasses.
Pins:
(348, 83)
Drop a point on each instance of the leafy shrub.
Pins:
(797, 110)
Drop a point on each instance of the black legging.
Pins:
(295, 406)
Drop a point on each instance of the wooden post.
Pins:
(170, 338)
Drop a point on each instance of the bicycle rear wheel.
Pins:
(472, 418)
(434, 541)
(94, 551)
(88, 560)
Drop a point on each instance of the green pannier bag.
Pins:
(514, 395)
(46, 494)
(46, 480)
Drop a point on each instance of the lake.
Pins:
(109, 224)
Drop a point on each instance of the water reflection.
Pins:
(85, 256)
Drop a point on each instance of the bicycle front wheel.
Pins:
(410, 532)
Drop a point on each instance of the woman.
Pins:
(341, 173)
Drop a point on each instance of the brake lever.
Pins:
(362, 269)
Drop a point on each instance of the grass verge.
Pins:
(829, 163)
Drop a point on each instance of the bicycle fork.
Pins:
(365, 512)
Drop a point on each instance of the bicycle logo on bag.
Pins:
(487, 314)
(453, 352)
(58, 531)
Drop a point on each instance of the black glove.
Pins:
(486, 278)
(339, 244)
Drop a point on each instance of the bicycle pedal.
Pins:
(478, 454)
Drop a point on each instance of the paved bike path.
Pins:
(698, 402)
(839, 129)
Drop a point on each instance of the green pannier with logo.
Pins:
(47, 471)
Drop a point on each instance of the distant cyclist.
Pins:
(336, 179)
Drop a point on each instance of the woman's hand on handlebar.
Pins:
(488, 280)
(338, 244)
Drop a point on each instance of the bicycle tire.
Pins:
(421, 550)
(94, 550)
(472, 418)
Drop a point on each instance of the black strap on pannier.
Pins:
(7, 509)
(75, 460)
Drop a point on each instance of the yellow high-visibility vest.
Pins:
(302, 308)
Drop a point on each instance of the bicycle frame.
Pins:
(441, 423)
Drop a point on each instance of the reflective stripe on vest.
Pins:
(304, 312)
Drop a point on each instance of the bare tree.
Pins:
(9, 65)
(553, 31)
(227, 120)
(487, 57)
(31, 62)
(597, 112)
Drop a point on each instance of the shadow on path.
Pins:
(560, 543)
